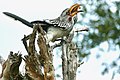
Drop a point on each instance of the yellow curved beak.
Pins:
(74, 9)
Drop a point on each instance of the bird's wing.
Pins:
(45, 25)
(41, 22)
(58, 23)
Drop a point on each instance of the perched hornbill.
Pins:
(55, 28)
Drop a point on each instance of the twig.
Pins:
(24, 40)
(82, 29)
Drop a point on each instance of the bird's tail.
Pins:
(19, 19)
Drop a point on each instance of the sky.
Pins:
(11, 33)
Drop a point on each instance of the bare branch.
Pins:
(69, 59)
(82, 29)
(64, 62)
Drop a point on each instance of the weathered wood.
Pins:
(10, 68)
(41, 58)
(36, 61)
(69, 59)
(46, 56)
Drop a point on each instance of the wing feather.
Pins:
(59, 23)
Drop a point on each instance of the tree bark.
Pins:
(69, 59)
(43, 59)
(39, 62)
(10, 68)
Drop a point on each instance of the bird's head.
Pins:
(70, 13)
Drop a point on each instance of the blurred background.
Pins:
(99, 48)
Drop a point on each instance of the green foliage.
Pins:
(103, 19)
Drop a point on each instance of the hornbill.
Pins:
(54, 28)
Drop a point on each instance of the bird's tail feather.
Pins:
(19, 19)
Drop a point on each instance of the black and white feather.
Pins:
(58, 23)
(54, 28)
